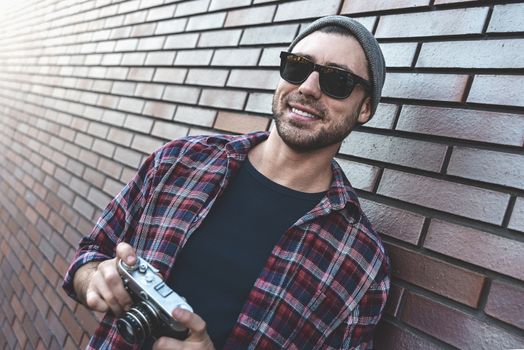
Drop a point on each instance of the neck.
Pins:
(301, 171)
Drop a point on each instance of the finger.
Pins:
(95, 302)
(99, 286)
(195, 324)
(114, 283)
(165, 343)
(126, 252)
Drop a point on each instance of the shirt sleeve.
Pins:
(119, 215)
(356, 332)
(363, 320)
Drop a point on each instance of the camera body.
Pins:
(153, 304)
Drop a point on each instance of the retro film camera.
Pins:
(153, 302)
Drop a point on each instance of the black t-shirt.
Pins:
(220, 262)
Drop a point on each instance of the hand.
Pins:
(198, 338)
(100, 285)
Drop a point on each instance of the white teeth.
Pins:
(303, 113)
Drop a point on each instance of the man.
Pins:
(262, 233)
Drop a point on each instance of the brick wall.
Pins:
(89, 87)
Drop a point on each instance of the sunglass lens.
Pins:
(336, 84)
(294, 69)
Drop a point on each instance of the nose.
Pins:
(311, 86)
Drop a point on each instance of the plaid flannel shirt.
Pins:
(324, 286)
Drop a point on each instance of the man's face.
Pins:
(305, 117)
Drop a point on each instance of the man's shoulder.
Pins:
(206, 144)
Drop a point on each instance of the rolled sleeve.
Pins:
(119, 215)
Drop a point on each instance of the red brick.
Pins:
(445, 22)
(306, 9)
(223, 4)
(170, 75)
(254, 79)
(384, 116)
(109, 167)
(250, 16)
(30, 331)
(162, 12)
(493, 127)
(517, 217)
(196, 116)
(42, 329)
(241, 57)
(191, 7)
(26, 280)
(357, 6)
(361, 176)
(477, 164)
(506, 303)
(394, 300)
(169, 131)
(126, 44)
(141, 143)
(164, 58)
(71, 324)
(218, 38)
(399, 54)
(18, 308)
(194, 57)
(145, 90)
(144, 74)
(472, 54)
(159, 109)
(454, 326)
(126, 156)
(492, 252)
(171, 26)
(396, 150)
(394, 222)
(240, 123)
(181, 93)
(134, 59)
(209, 77)
(207, 21)
(276, 34)
(19, 333)
(389, 336)
(468, 201)
(138, 123)
(438, 276)
(505, 18)
(259, 102)
(181, 41)
(487, 88)
(57, 328)
(223, 98)
(425, 86)
(86, 319)
(144, 29)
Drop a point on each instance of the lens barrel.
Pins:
(136, 325)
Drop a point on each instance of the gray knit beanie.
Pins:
(377, 65)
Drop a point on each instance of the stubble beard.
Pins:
(298, 136)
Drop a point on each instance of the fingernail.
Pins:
(177, 313)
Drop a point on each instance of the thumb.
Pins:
(126, 252)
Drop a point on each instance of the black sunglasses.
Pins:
(334, 82)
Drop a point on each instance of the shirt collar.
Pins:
(338, 195)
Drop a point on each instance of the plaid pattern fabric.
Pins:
(324, 286)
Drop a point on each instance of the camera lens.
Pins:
(137, 324)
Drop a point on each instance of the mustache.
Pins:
(306, 102)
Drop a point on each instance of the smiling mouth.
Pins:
(303, 113)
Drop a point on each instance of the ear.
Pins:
(365, 111)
